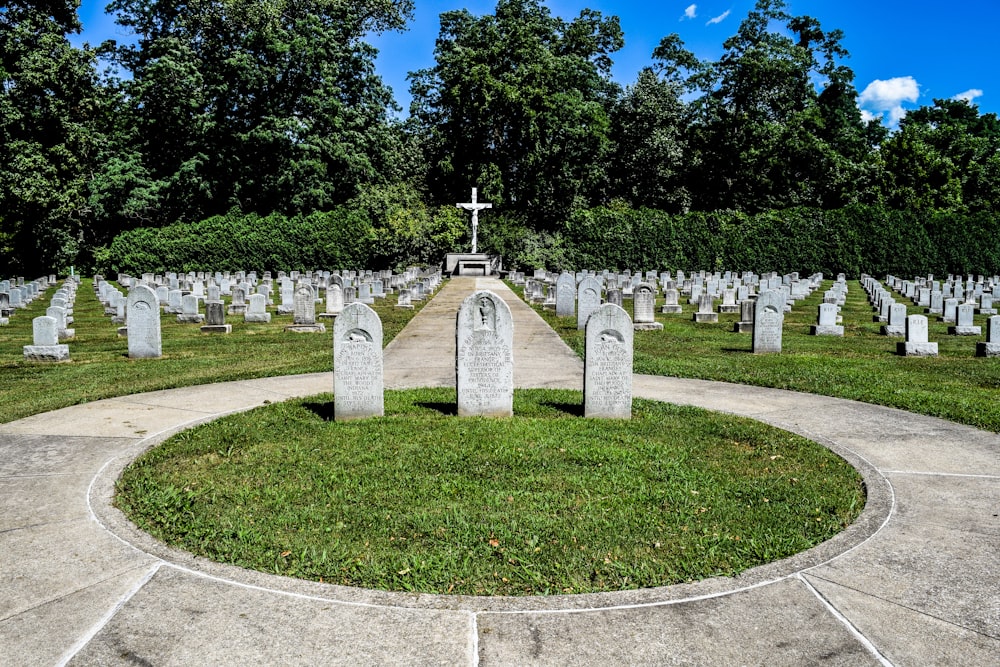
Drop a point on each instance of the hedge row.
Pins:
(853, 240)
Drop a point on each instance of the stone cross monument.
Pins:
(475, 207)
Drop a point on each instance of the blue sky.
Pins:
(904, 53)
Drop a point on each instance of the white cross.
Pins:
(475, 208)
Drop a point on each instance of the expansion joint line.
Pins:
(867, 643)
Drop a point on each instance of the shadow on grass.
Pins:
(448, 409)
(322, 410)
(571, 409)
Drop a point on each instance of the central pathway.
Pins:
(913, 582)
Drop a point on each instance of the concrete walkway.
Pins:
(916, 581)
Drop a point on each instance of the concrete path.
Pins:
(916, 581)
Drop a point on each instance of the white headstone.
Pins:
(143, 316)
(589, 300)
(607, 376)
(769, 317)
(484, 356)
(358, 386)
(566, 295)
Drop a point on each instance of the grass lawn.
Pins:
(100, 367)
(862, 365)
(544, 502)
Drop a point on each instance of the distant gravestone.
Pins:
(768, 319)
(403, 300)
(644, 308)
(827, 321)
(896, 323)
(589, 300)
(59, 315)
(729, 304)
(950, 310)
(238, 306)
(334, 296)
(615, 296)
(566, 295)
(189, 310)
(745, 325)
(143, 314)
(964, 325)
(215, 319)
(287, 304)
(484, 356)
(304, 312)
(705, 311)
(257, 309)
(45, 341)
(358, 384)
(916, 344)
(991, 347)
(671, 301)
(607, 375)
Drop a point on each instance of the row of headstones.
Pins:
(915, 327)
(302, 297)
(583, 292)
(17, 294)
(484, 361)
(50, 331)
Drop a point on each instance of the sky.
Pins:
(904, 53)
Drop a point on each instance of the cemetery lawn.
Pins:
(100, 367)
(542, 503)
(863, 365)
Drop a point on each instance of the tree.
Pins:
(516, 104)
(764, 137)
(266, 106)
(48, 102)
(649, 137)
(945, 156)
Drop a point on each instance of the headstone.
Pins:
(991, 347)
(896, 323)
(215, 318)
(358, 385)
(403, 300)
(238, 306)
(59, 315)
(768, 319)
(745, 325)
(964, 325)
(589, 300)
(644, 308)
(143, 316)
(566, 295)
(189, 310)
(334, 297)
(615, 296)
(827, 321)
(950, 310)
(671, 301)
(45, 341)
(916, 344)
(484, 356)
(729, 304)
(705, 312)
(607, 375)
(304, 313)
(257, 309)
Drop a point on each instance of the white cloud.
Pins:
(720, 18)
(888, 96)
(690, 13)
(969, 95)
(869, 116)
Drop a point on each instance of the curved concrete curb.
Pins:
(913, 582)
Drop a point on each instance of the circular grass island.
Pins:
(546, 502)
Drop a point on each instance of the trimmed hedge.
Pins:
(852, 240)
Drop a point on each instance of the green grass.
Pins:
(862, 365)
(544, 502)
(100, 367)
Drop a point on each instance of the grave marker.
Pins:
(358, 384)
(607, 375)
(485, 357)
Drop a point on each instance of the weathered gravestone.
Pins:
(615, 296)
(768, 319)
(964, 325)
(745, 325)
(484, 356)
(215, 318)
(827, 321)
(991, 347)
(607, 374)
(705, 312)
(257, 309)
(358, 385)
(238, 306)
(334, 297)
(566, 295)
(403, 300)
(143, 315)
(644, 308)
(45, 341)
(589, 300)
(671, 301)
(916, 344)
(896, 323)
(304, 313)
(189, 310)
(59, 315)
